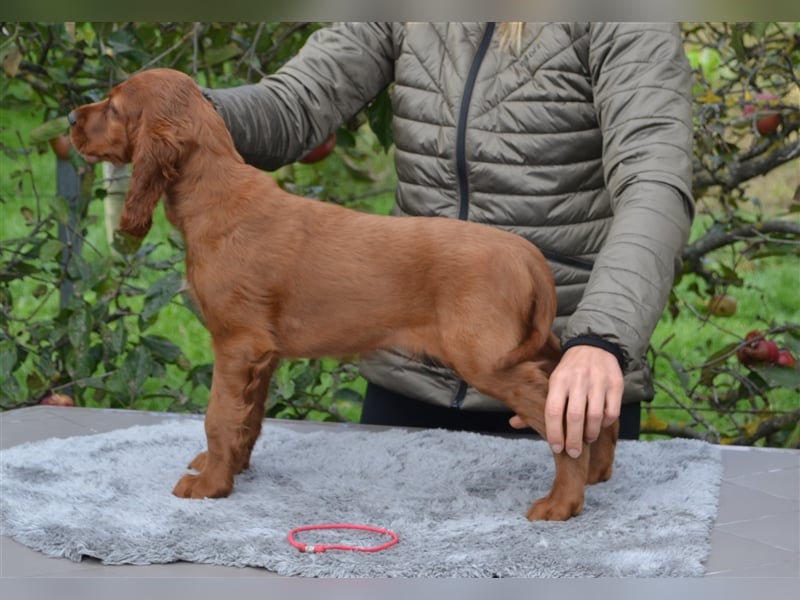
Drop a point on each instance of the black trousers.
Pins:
(385, 407)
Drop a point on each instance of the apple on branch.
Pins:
(765, 113)
(320, 152)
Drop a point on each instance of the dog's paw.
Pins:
(201, 486)
(550, 509)
(201, 460)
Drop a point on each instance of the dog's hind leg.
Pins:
(601, 462)
(234, 417)
(565, 499)
(567, 494)
(523, 388)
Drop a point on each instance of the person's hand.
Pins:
(586, 388)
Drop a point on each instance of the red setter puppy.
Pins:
(277, 276)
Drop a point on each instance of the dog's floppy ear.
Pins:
(155, 157)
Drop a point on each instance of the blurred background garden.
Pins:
(83, 324)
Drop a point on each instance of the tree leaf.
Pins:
(10, 389)
(12, 58)
(125, 243)
(48, 130)
(162, 348)
(780, 376)
(78, 328)
(114, 339)
(348, 395)
(138, 367)
(36, 383)
(8, 358)
(221, 54)
(61, 210)
(78, 268)
(50, 249)
(379, 115)
(737, 42)
(758, 29)
(160, 294)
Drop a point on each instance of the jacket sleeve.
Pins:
(338, 71)
(642, 95)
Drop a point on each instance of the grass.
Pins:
(770, 295)
(768, 299)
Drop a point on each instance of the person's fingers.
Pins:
(595, 410)
(575, 417)
(585, 394)
(613, 403)
(554, 414)
(517, 422)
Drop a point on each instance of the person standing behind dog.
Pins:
(576, 136)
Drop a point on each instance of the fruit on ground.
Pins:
(57, 400)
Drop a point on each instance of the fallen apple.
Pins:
(57, 400)
(321, 151)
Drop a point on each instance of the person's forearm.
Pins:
(338, 72)
(251, 114)
(633, 274)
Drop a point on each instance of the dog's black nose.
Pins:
(72, 119)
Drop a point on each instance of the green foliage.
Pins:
(123, 338)
(117, 342)
(744, 73)
(67, 64)
(322, 390)
(96, 344)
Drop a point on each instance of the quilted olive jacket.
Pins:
(581, 143)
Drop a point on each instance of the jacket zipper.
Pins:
(461, 131)
(461, 157)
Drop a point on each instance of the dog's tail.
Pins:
(539, 341)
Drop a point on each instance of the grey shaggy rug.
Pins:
(456, 500)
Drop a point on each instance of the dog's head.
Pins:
(149, 120)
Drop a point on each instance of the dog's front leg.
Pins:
(233, 422)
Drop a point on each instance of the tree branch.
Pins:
(739, 172)
(712, 241)
(680, 432)
(766, 428)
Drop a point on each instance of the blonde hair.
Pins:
(511, 36)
